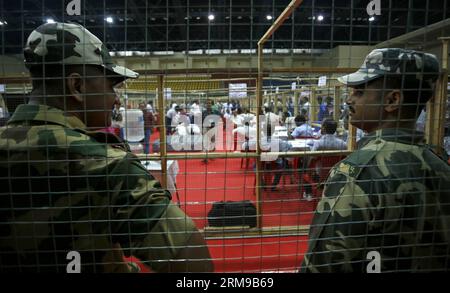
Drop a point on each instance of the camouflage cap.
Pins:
(69, 44)
(394, 61)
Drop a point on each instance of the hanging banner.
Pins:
(237, 90)
(322, 81)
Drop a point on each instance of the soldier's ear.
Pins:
(393, 101)
(75, 86)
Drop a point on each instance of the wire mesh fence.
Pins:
(224, 136)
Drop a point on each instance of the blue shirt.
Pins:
(303, 130)
(323, 111)
(329, 142)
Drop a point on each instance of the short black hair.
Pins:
(300, 119)
(329, 125)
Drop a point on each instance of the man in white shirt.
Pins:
(149, 107)
(237, 117)
(248, 117)
(271, 117)
(246, 136)
(195, 112)
(169, 117)
(306, 105)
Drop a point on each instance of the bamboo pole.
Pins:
(441, 103)
(296, 101)
(351, 138)
(435, 108)
(313, 106)
(278, 22)
(258, 137)
(337, 103)
(283, 100)
(162, 131)
(224, 155)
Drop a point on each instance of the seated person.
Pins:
(237, 118)
(267, 144)
(187, 137)
(248, 117)
(328, 140)
(244, 134)
(302, 129)
(271, 117)
(289, 122)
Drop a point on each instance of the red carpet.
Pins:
(252, 255)
(247, 255)
(200, 184)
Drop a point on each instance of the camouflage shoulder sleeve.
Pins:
(338, 233)
(137, 198)
(166, 239)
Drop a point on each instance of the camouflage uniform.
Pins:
(69, 43)
(391, 196)
(67, 189)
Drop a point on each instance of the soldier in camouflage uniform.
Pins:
(67, 187)
(392, 195)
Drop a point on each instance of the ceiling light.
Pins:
(109, 19)
(320, 17)
(372, 18)
(211, 17)
(269, 17)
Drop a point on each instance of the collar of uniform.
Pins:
(46, 114)
(400, 135)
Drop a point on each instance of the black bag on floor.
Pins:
(232, 213)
